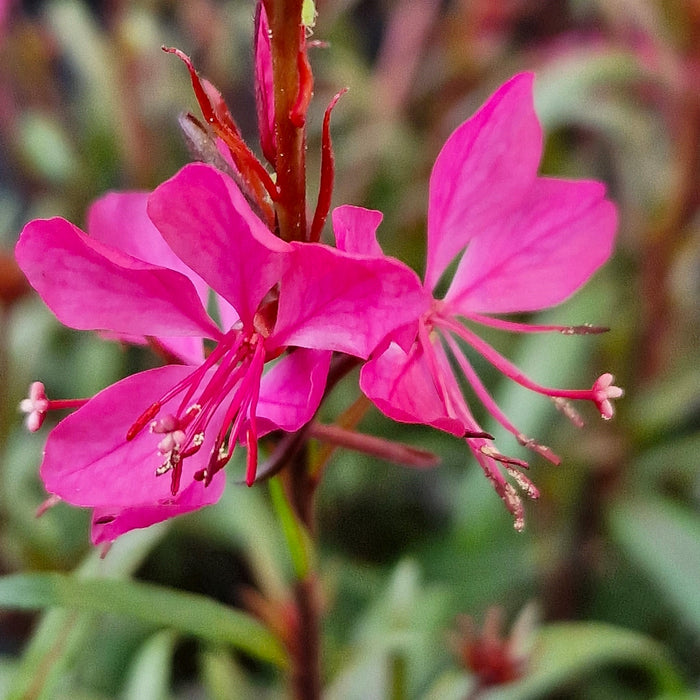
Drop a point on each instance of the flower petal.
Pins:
(355, 230)
(188, 349)
(110, 523)
(88, 461)
(482, 172)
(400, 384)
(206, 220)
(93, 286)
(292, 390)
(120, 220)
(331, 300)
(562, 233)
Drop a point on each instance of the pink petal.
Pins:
(541, 254)
(88, 461)
(292, 390)
(482, 172)
(331, 300)
(92, 286)
(187, 348)
(264, 86)
(401, 386)
(206, 220)
(355, 230)
(120, 220)
(110, 523)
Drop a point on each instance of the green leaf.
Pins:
(567, 86)
(679, 455)
(46, 147)
(222, 677)
(54, 645)
(243, 520)
(566, 652)
(298, 543)
(60, 634)
(162, 607)
(397, 642)
(451, 685)
(7, 670)
(666, 404)
(149, 676)
(663, 539)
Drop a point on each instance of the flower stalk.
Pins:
(293, 85)
(295, 505)
(292, 89)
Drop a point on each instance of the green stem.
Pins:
(397, 673)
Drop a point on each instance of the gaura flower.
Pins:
(147, 270)
(527, 243)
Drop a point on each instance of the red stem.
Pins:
(306, 672)
(293, 84)
(287, 43)
(305, 644)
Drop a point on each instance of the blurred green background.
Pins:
(610, 559)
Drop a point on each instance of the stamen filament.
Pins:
(436, 373)
(238, 409)
(491, 406)
(61, 404)
(226, 375)
(506, 367)
(194, 379)
(512, 326)
(450, 395)
(248, 391)
(252, 433)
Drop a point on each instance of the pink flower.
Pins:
(146, 270)
(528, 243)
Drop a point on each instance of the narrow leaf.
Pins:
(185, 612)
(297, 540)
(149, 676)
(662, 539)
(566, 652)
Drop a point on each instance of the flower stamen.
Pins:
(603, 393)
(600, 394)
(36, 406)
(235, 368)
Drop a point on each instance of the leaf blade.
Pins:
(186, 612)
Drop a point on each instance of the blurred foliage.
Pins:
(611, 553)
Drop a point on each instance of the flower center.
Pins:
(221, 394)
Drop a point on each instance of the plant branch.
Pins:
(288, 45)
